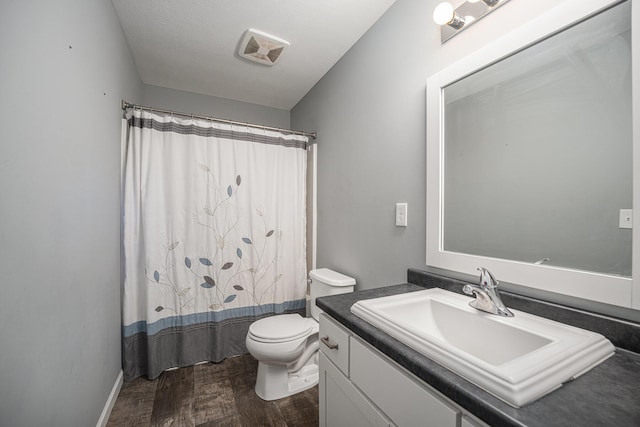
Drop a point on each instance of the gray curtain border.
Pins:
(150, 355)
(159, 126)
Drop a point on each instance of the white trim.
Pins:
(111, 401)
(314, 207)
(635, 85)
(587, 285)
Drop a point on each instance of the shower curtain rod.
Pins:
(126, 105)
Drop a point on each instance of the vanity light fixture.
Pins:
(453, 20)
(489, 3)
(444, 14)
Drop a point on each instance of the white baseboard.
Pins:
(108, 406)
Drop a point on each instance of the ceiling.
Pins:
(192, 45)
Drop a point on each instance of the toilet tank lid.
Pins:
(331, 277)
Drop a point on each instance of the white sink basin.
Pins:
(518, 359)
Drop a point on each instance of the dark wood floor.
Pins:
(212, 394)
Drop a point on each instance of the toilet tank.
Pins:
(326, 282)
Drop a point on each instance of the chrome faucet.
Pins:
(487, 295)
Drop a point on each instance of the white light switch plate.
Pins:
(626, 218)
(401, 214)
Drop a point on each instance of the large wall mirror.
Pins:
(530, 149)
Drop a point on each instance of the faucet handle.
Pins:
(486, 279)
(467, 289)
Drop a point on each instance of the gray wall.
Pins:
(369, 111)
(64, 67)
(210, 106)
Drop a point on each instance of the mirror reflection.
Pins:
(538, 151)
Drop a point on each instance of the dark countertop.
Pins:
(608, 395)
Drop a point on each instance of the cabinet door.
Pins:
(402, 398)
(341, 404)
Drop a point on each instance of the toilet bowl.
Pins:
(286, 345)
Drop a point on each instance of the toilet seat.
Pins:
(281, 328)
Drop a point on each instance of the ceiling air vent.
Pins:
(261, 47)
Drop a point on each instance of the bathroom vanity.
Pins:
(369, 378)
(360, 386)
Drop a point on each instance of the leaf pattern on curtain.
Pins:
(219, 271)
(220, 276)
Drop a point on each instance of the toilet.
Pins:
(286, 345)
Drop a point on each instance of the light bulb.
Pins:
(443, 13)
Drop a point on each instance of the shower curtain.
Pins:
(213, 237)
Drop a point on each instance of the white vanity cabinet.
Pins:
(341, 403)
(359, 386)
